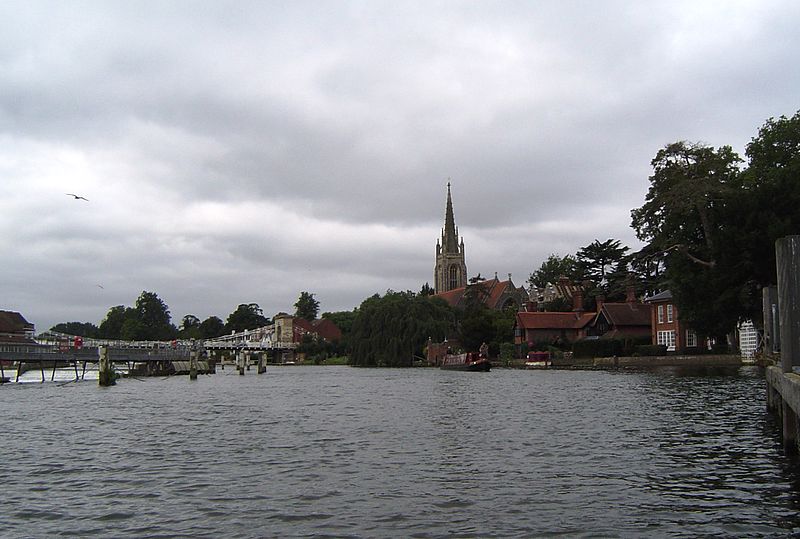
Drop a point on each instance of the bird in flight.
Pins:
(77, 197)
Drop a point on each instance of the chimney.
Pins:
(532, 306)
(630, 294)
(577, 300)
(600, 299)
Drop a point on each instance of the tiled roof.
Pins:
(494, 290)
(554, 320)
(627, 314)
(12, 321)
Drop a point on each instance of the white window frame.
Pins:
(667, 338)
(691, 339)
(660, 314)
(669, 312)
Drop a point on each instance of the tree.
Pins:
(391, 330)
(154, 318)
(596, 259)
(84, 329)
(246, 316)
(769, 206)
(111, 326)
(687, 220)
(211, 327)
(552, 269)
(306, 307)
(190, 327)
(426, 290)
(688, 190)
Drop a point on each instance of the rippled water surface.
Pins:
(342, 452)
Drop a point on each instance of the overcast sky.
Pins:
(245, 152)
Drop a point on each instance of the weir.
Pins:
(783, 384)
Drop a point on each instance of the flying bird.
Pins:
(77, 197)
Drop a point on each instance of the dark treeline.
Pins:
(150, 319)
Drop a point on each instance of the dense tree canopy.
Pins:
(306, 306)
(713, 227)
(84, 329)
(211, 327)
(391, 330)
(246, 316)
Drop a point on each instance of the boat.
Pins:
(538, 360)
(466, 362)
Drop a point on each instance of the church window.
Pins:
(453, 277)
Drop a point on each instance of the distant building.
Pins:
(14, 328)
(629, 319)
(291, 329)
(450, 271)
(495, 294)
(553, 328)
(666, 326)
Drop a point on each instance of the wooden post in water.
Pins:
(787, 258)
(106, 373)
(193, 365)
(240, 362)
(262, 359)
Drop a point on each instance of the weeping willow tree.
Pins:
(390, 330)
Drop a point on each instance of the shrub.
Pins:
(651, 350)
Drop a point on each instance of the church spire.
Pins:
(451, 270)
(450, 236)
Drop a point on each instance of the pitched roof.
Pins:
(554, 320)
(493, 292)
(627, 314)
(12, 321)
(662, 296)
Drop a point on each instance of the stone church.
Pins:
(450, 273)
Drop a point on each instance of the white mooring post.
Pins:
(106, 373)
(787, 258)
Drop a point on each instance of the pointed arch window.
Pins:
(453, 277)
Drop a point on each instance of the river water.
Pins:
(344, 452)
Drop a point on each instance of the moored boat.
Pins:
(466, 362)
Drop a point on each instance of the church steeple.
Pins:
(451, 270)
(450, 235)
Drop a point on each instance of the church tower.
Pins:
(451, 270)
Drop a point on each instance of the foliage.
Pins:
(306, 306)
(622, 346)
(211, 327)
(552, 269)
(315, 350)
(687, 218)
(712, 228)
(190, 327)
(426, 290)
(84, 329)
(111, 326)
(246, 316)
(344, 321)
(604, 264)
(651, 350)
(148, 320)
(153, 318)
(389, 330)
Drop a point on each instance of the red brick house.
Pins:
(629, 319)
(666, 326)
(551, 327)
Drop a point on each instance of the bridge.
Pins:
(51, 351)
